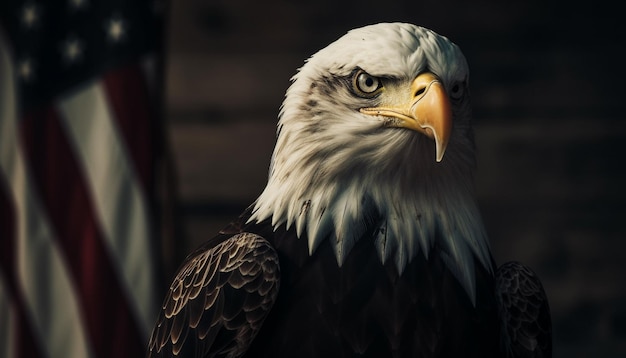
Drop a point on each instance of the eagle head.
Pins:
(374, 135)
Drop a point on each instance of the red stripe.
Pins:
(26, 344)
(111, 326)
(130, 101)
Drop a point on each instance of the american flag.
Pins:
(79, 151)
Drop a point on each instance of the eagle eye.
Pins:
(366, 84)
(457, 90)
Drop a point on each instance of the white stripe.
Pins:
(118, 197)
(42, 274)
(7, 321)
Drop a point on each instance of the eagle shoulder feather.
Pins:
(524, 311)
(219, 299)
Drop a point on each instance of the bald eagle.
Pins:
(367, 240)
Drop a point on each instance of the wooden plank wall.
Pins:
(548, 86)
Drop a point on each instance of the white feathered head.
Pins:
(375, 132)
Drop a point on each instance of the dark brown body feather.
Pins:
(362, 309)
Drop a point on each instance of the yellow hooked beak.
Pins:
(425, 108)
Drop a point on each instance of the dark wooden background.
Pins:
(548, 87)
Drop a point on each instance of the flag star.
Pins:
(30, 15)
(25, 70)
(73, 50)
(116, 29)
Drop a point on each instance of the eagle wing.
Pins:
(526, 323)
(218, 300)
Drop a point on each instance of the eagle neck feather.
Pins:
(339, 193)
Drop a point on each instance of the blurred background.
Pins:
(547, 82)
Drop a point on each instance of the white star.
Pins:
(73, 50)
(30, 15)
(25, 70)
(116, 28)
